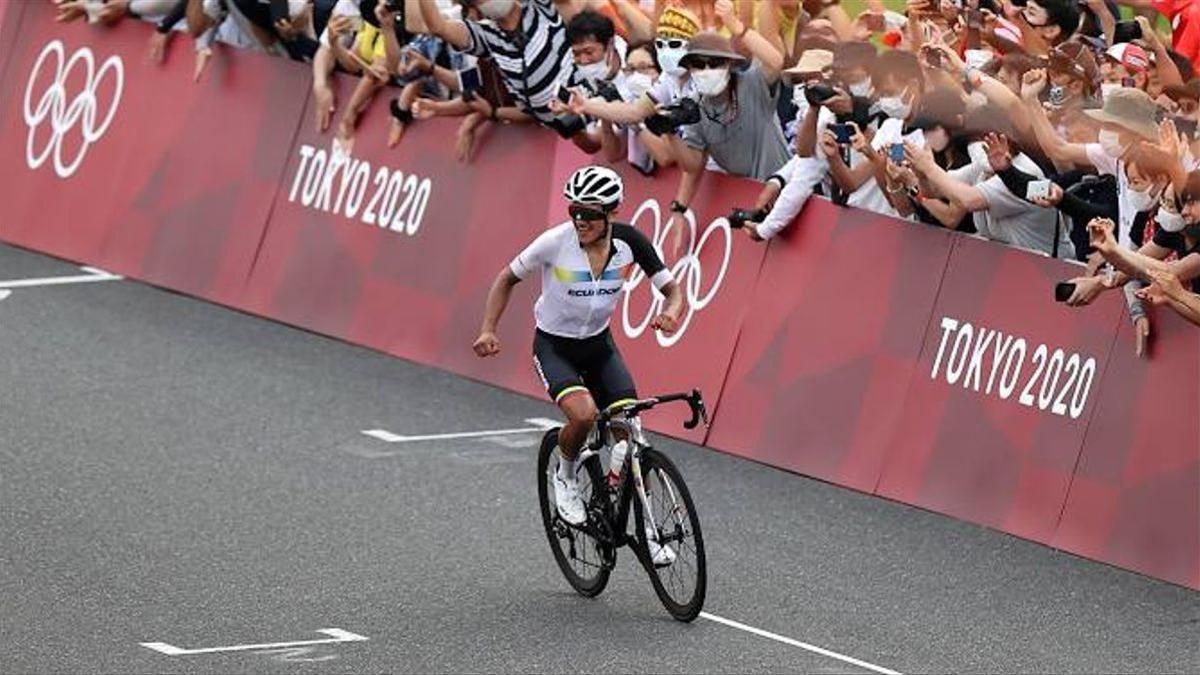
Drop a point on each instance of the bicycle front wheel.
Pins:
(681, 585)
(583, 558)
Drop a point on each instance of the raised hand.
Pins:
(1032, 84)
(1100, 234)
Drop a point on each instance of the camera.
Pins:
(685, 111)
(608, 91)
(818, 93)
(739, 217)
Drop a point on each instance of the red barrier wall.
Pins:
(175, 190)
(1135, 494)
(991, 432)
(838, 351)
(823, 365)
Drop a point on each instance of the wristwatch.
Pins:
(676, 207)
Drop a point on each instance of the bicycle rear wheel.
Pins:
(583, 558)
(681, 585)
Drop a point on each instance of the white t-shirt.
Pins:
(1010, 218)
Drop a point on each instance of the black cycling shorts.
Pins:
(592, 364)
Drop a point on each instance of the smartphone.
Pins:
(1185, 126)
(874, 22)
(1063, 291)
(843, 132)
(933, 56)
(395, 5)
(1127, 31)
(469, 80)
(896, 152)
(564, 94)
(1037, 189)
(917, 138)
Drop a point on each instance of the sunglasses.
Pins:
(670, 43)
(705, 63)
(585, 214)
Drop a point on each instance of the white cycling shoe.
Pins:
(567, 501)
(660, 555)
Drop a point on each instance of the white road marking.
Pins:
(5, 294)
(539, 424)
(93, 275)
(796, 643)
(336, 635)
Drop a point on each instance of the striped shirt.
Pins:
(531, 61)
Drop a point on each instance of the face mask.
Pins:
(894, 107)
(1107, 88)
(978, 155)
(1110, 141)
(638, 84)
(494, 9)
(594, 72)
(862, 89)
(711, 81)
(1170, 222)
(1141, 201)
(668, 60)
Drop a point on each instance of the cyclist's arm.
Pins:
(497, 299)
(656, 271)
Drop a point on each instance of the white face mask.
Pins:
(1171, 222)
(1110, 141)
(894, 107)
(668, 60)
(978, 155)
(711, 81)
(1141, 201)
(1107, 88)
(594, 72)
(639, 83)
(862, 89)
(494, 9)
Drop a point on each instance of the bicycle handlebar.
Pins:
(694, 400)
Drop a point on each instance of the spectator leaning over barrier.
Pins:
(999, 214)
(380, 34)
(527, 39)
(738, 126)
(597, 68)
(676, 26)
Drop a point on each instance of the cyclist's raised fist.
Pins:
(665, 323)
(487, 344)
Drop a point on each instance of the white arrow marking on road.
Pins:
(93, 275)
(539, 424)
(5, 294)
(336, 635)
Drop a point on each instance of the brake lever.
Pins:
(696, 403)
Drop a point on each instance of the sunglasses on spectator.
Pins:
(584, 214)
(706, 62)
(670, 43)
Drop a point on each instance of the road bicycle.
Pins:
(647, 481)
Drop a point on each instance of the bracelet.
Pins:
(677, 207)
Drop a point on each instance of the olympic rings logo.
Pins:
(687, 272)
(64, 116)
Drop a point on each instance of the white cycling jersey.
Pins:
(574, 302)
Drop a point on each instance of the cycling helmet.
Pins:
(595, 186)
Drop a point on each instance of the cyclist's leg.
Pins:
(564, 382)
(608, 378)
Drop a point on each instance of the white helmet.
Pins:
(595, 186)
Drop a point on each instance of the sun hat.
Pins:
(712, 45)
(1130, 109)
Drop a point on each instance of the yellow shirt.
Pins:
(368, 43)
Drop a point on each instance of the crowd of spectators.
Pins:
(1067, 127)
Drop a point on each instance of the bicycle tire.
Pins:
(656, 466)
(578, 541)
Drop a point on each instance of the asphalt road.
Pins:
(173, 471)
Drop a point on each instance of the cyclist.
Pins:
(583, 264)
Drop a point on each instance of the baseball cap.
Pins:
(1133, 57)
